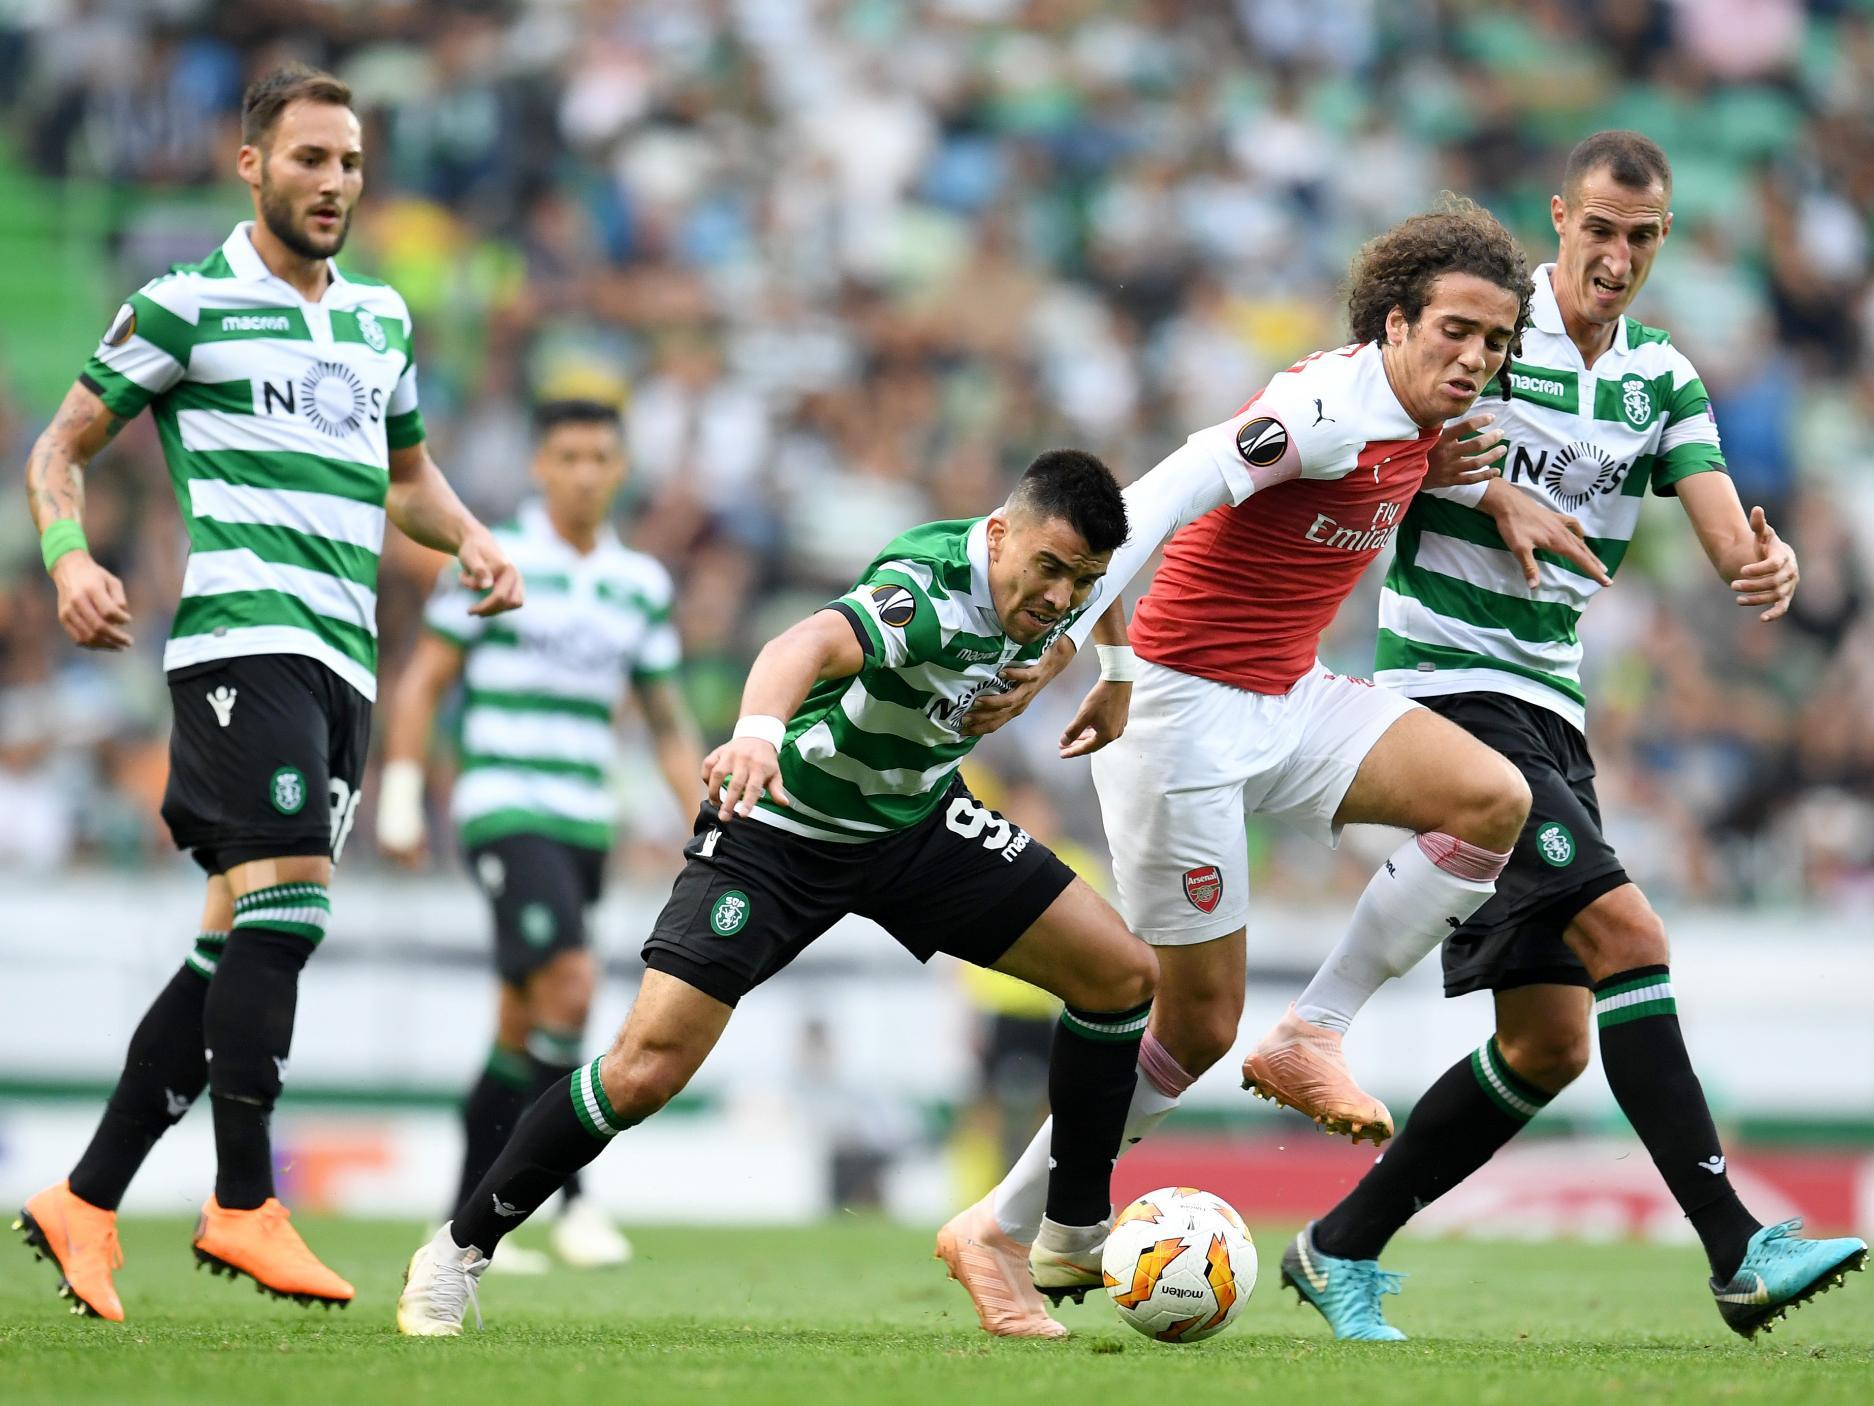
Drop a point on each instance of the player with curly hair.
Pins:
(1272, 516)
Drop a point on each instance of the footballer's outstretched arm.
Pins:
(425, 508)
(1759, 565)
(92, 606)
(823, 646)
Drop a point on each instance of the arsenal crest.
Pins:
(1203, 886)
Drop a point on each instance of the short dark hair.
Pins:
(1398, 268)
(1633, 159)
(1076, 486)
(549, 415)
(272, 93)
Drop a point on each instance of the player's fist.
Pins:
(1456, 460)
(739, 771)
(989, 711)
(1101, 718)
(92, 607)
(485, 568)
(1770, 579)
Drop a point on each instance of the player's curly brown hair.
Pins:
(1397, 269)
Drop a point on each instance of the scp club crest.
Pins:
(1203, 886)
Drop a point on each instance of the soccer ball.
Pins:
(1179, 1264)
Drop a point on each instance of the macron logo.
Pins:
(1714, 1165)
(504, 1209)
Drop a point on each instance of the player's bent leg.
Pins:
(1198, 1004)
(280, 913)
(1457, 1126)
(671, 1029)
(559, 996)
(1466, 804)
(1082, 951)
(1758, 1273)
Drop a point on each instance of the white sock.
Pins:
(1430, 885)
(1022, 1195)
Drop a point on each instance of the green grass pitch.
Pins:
(857, 1312)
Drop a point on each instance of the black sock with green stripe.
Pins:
(1650, 1073)
(566, 1128)
(164, 1073)
(1092, 1069)
(491, 1110)
(1477, 1105)
(247, 1029)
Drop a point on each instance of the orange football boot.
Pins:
(992, 1267)
(1300, 1066)
(263, 1245)
(81, 1239)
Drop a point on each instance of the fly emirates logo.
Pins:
(1370, 538)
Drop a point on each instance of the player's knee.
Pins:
(1550, 1059)
(560, 994)
(1492, 806)
(1610, 944)
(1198, 1034)
(1134, 978)
(639, 1082)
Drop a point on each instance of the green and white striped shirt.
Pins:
(1457, 615)
(870, 755)
(277, 417)
(544, 684)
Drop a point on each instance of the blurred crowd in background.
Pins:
(847, 264)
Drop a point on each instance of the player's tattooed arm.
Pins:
(93, 609)
(55, 470)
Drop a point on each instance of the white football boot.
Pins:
(439, 1288)
(1065, 1259)
(585, 1237)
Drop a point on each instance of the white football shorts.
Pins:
(1196, 757)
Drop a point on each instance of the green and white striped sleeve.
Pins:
(890, 610)
(403, 422)
(1689, 442)
(662, 650)
(145, 351)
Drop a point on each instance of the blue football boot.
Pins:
(1346, 1292)
(1780, 1271)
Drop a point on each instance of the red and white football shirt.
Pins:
(1247, 589)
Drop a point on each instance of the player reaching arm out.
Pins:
(1760, 566)
(423, 506)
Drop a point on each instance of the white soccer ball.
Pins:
(1179, 1264)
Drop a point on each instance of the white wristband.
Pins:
(400, 805)
(1118, 664)
(766, 726)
